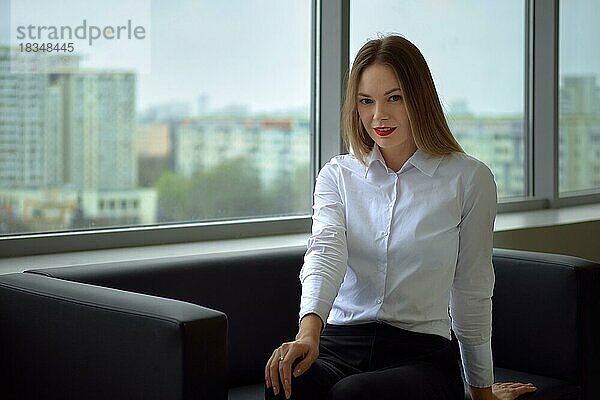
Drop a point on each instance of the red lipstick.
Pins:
(384, 130)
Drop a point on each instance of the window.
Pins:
(475, 50)
(579, 97)
(215, 126)
(222, 89)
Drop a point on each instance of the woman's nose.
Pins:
(380, 113)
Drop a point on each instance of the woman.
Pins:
(402, 234)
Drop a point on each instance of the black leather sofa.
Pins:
(201, 327)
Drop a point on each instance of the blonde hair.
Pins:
(427, 121)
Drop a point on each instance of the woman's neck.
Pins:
(396, 157)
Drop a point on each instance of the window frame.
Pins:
(327, 82)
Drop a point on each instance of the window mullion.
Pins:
(545, 101)
(333, 20)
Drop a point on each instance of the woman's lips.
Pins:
(384, 131)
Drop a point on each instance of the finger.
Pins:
(268, 369)
(517, 385)
(272, 362)
(520, 385)
(274, 372)
(525, 389)
(304, 365)
(505, 384)
(511, 385)
(285, 370)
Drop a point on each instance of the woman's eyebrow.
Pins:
(392, 90)
(386, 93)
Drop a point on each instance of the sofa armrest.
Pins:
(545, 316)
(62, 339)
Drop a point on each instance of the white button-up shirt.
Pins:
(411, 248)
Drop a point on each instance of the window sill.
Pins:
(504, 222)
(548, 217)
(20, 264)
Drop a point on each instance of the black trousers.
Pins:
(379, 361)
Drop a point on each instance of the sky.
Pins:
(256, 53)
(473, 58)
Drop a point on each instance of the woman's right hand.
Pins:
(278, 371)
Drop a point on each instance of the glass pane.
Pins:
(579, 98)
(475, 50)
(163, 112)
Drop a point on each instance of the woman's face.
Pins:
(382, 109)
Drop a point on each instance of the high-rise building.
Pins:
(274, 146)
(23, 102)
(579, 95)
(67, 150)
(54, 137)
(100, 126)
(499, 142)
(579, 149)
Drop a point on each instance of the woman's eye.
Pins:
(365, 101)
(395, 97)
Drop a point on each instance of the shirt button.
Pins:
(378, 301)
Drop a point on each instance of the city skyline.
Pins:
(75, 144)
(205, 143)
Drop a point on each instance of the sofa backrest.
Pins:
(258, 290)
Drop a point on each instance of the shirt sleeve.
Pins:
(473, 285)
(325, 261)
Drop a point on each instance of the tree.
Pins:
(291, 192)
(230, 190)
(173, 197)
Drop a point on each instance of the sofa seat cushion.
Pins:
(547, 388)
(249, 392)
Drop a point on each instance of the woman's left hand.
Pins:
(511, 390)
(502, 391)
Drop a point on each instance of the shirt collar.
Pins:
(374, 156)
(426, 163)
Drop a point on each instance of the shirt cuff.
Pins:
(315, 306)
(316, 293)
(478, 364)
